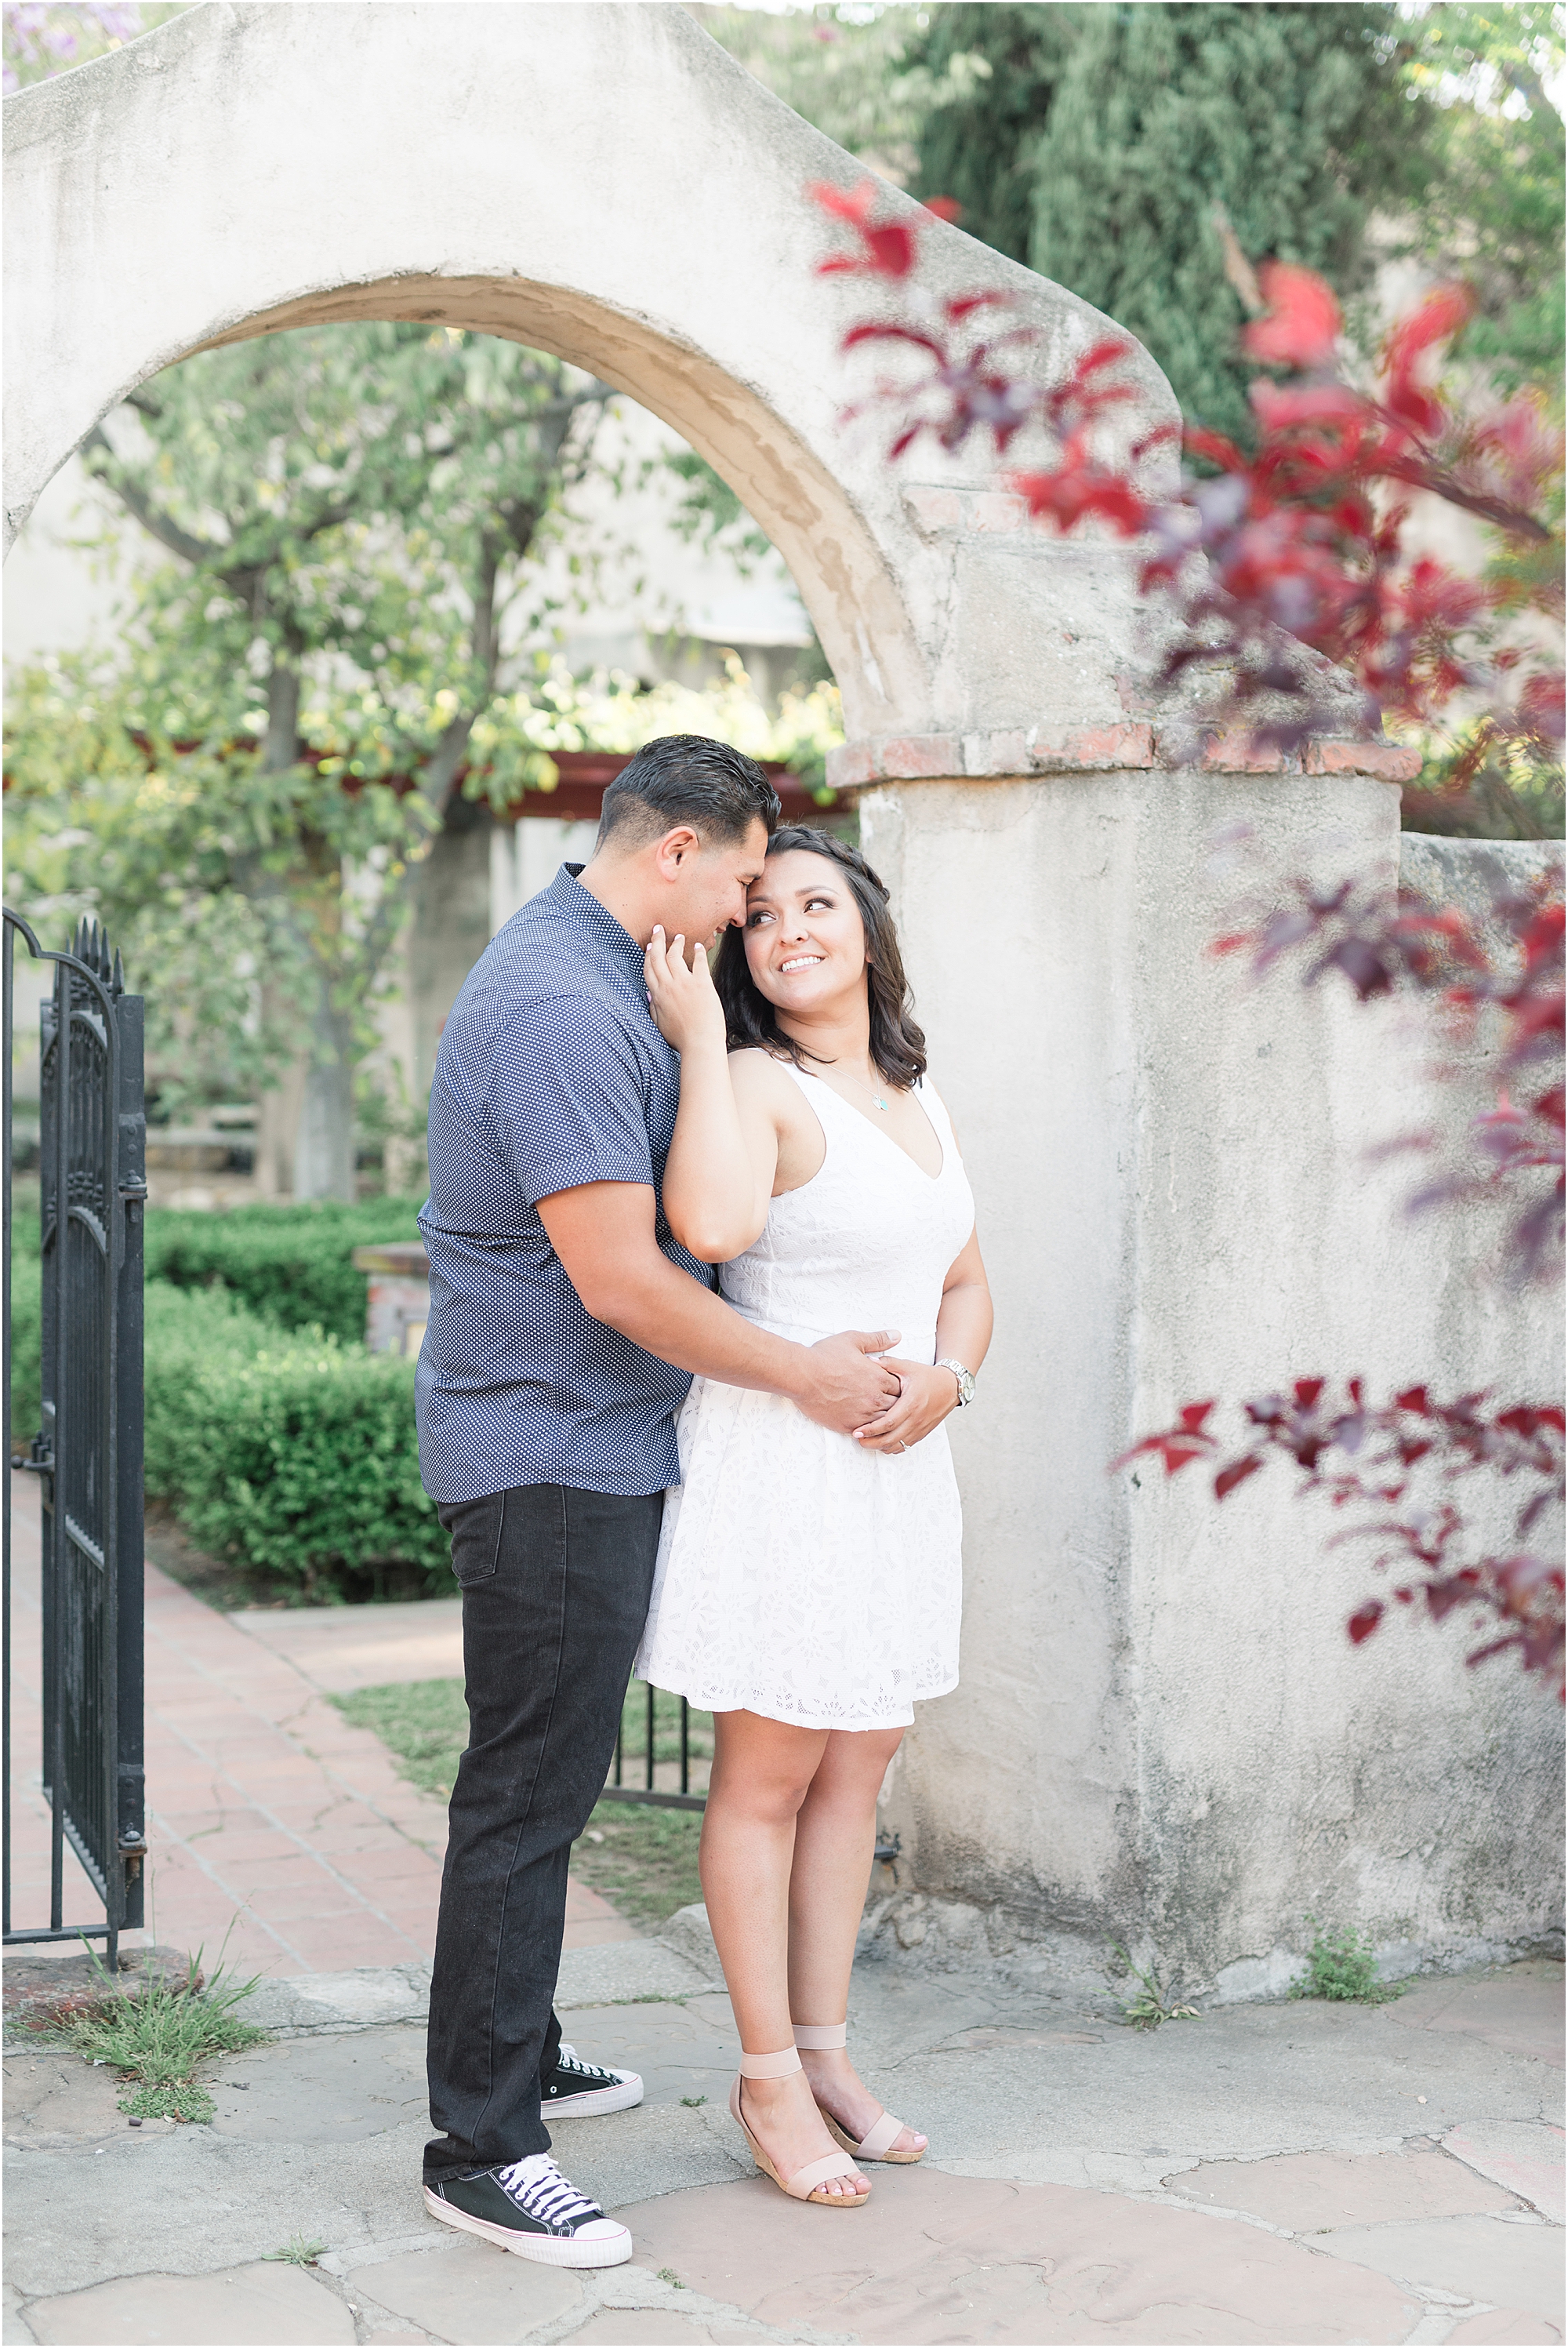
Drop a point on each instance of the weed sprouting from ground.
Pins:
(1342, 1964)
(1151, 2004)
(297, 2251)
(156, 2038)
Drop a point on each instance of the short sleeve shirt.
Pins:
(551, 1074)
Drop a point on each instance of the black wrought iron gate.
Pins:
(87, 1451)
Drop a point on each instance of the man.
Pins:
(564, 1325)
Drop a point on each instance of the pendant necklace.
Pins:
(875, 1097)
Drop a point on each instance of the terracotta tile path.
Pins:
(271, 1818)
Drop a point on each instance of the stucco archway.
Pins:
(600, 182)
(1152, 1726)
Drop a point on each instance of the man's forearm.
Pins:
(669, 1314)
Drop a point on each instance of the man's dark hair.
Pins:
(686, 779)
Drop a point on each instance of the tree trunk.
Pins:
(449, 931)
(323, 1147)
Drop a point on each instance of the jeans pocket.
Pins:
(475, 1527)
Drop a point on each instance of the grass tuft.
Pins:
(1342, 1964)
(1150, 2004)
(156, 2038)
(297, 2251)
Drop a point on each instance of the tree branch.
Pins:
(152, 517)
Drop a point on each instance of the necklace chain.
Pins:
(876, 1098)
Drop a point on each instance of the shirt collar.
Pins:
(581, 905)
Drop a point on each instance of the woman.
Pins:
(808, 1590)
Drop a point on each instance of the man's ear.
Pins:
(677, 848)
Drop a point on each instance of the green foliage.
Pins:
(299, 2250)
(859, 72)
(1151, 2002)
(291, 1265)
(1515, 794)
(1492, 212)
(1109, 145)
(156, 2036)
(296, 1453)
(243, 790)
(609, 711)
(1343, 1964)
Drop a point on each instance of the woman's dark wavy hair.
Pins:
(897, 1044)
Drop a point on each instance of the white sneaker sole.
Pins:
(545, 2249)
(620, 2098)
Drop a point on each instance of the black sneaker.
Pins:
(529, 2206)
(575, 2088)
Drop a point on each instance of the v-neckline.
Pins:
(910, 1159)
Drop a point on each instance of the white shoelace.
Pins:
(538, 2186)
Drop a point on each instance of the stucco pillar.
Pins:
(1163, 1735)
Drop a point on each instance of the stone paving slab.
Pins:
(274, 2306)
(1474, 2258)
(1520, 2010)
(940, 2258)
(1525, 2155)
(1314, 2192)
(1087, 2183)
(503, 2299)
(1502, 2327)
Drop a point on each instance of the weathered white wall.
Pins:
(1161, 1733)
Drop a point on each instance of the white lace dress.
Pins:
(799, 1576)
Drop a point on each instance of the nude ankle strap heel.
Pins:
(806, 2183)
(823, 2037)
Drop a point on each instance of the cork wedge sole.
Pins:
(806, 2184)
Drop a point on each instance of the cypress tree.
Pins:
(1108, 143)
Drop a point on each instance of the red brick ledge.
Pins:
(1019, 753)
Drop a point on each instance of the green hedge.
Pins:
(293, 1452)
(280, 1444)
(290, 1264)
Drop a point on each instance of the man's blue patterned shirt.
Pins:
(550, 1074)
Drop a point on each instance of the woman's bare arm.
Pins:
(719, 1174)
(963, 1333)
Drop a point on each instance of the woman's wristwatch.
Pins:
(966, 1381)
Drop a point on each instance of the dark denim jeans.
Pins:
(556, 1584)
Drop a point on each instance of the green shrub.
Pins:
(293, 1451)
(1343, 1964)
(273, 1433)
(290, 1264)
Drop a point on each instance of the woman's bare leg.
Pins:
(834, 1838)
(763, 1770)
